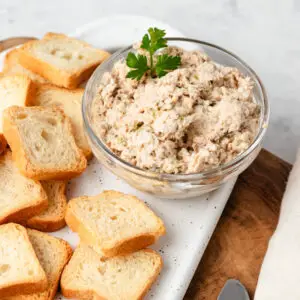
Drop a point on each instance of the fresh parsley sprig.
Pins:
(151, 42)
(139, 65)
(166, 63)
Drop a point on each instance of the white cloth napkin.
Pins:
(279, 277)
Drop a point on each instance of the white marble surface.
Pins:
(265, 33)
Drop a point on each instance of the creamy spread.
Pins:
(192, 119)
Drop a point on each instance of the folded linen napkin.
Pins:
(279, 277)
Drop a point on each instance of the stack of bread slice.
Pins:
(41, 123)
(42, 146)
(111, 261)
(31, 263)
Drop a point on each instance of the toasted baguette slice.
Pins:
(88, 276)
(21, 272)
(14, 90)
(52, 218)
(42, 143)
(114, 223)
(70, 102)
(62, 60)
(20, 197)
(13, 66)
(53, 254)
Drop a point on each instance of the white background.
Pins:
(265, 33)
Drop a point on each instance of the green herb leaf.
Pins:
(152, 41)
(166, 63)
(157, 39)
(156, 33)
(131, 60)
(138, 63)
(145, 42)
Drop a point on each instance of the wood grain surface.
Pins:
(13, 42)
(240, 240)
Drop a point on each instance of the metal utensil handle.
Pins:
(15, 41)
(233, 290)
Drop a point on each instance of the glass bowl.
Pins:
(176, 185)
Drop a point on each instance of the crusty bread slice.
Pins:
(21, 272)
(14, 90)
(88, 276)
(52, 218)
(20, 197)
(114, 223)
(42, 143)
(53, 255)
(70, 101)
(13, 66)
(62, 60)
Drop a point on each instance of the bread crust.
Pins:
(125, 246)
(80, 294)
(30, 88)
(21, 158)
(51, 35)
(23, 214)
(3, 143)
(52, 73)
(23, 289)
(8, 60)
(53, 222)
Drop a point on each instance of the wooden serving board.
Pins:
(240, 240)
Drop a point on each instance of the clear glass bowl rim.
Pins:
(265, 112)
